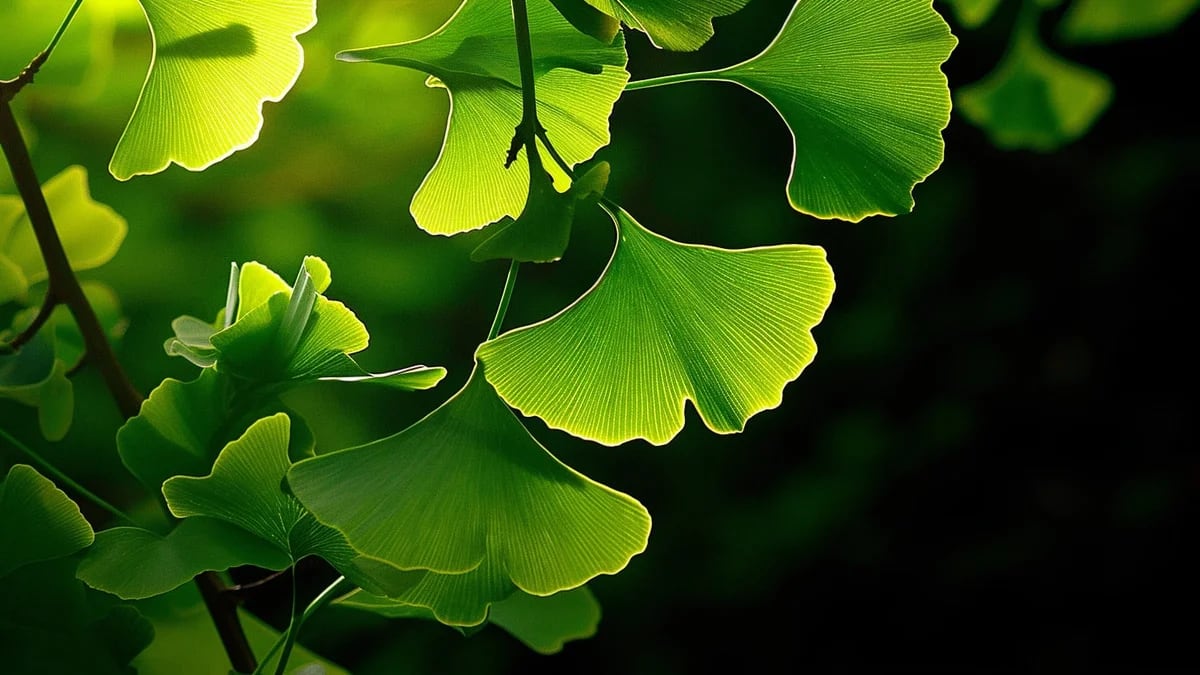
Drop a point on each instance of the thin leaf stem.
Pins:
(665, 80)
(63, 283)
(62, 28)
(293, 628)
(323, 598)
(63, 478)
(48, 304)
(510, 282)
(558, 159)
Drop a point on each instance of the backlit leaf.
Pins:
(665, 324)
(679, 25)
(37, 520)
(860, 87)
(474, 57)
(467, 488)
(213, 68)
(90, 233)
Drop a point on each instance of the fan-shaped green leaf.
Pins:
(37, 520)
(468, 488)
(474, 57)
(860, 87)
(973, 13)
(679, 25)
(132, 563)
(90, 232)
(1034, 99)
(665, 324)
(245, 489)
(1091, 21)
(213, 68)
(542, 231)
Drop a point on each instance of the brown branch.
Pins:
(64, 288)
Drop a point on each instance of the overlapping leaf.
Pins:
(679, 25)
(1091, 21)
(133, 563)
(468, 490)
(37, 520)
(543, 623)
(859, 84)
(279, 335)
(665, 324)
(1035, 99)
(90, 233)
(245, 489)
(212, 70)
(474, 57)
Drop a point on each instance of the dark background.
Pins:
(985, 469)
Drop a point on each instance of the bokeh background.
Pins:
(986, 469)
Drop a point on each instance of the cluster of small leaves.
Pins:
(464, 517)
(1038, 100)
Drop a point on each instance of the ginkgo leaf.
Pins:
(1034, 99)
(679, 25)
(467, 488)
(973, 13)
(859, 86)
(213, 68)
(132, 563)
(245, 489)
(543, 230)
(90, 233)
(37, 520)
(286, 335)
(1091, 21)
(474, 57)
(543, 623)
(665, 324)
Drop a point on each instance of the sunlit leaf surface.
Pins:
(90, 232)
(665, 324)
(215, 63)
(859, 84)
(474, 57)
(680, 25)
(467, 489)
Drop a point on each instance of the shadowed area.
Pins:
(236, 39)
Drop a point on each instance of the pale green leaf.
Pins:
(245, 489)
(90, 232)
(665, 324)
(473, 56)
(132, 563)
(1092, 21)
(213, 68)
(973, 13)
(37, 520)
(679, 25)
(860, 87)
(468, 488)
(1034, 99)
